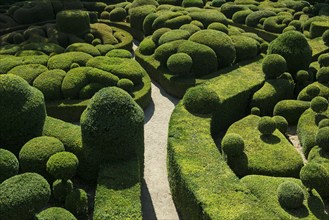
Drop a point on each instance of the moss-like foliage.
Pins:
(218, 27)
(77, 203)
(62, 165)
(322, 138)
(323, 123)
(325, 37)
(158, 33)
(173, 35)
(147, 46)
(83, 47)
(208, 16)
(228, 9)
(9, 165)
(219, 42)
(318, 28)
(126, 85)
(271, 155)
(290, 195)
(112, 127)
(55, 213)
(275, 24)
(323, 60)
(163, 52)
(180, 64)
(73, 21)
(191, 28)
(23, 195)
(61, 188)
(266, 125)
(193, 3)
(319, 104)
(29, 72)
(273, 66)
(50, 84)
(8, 63)
(138, 14)
(47, 48)
(294, 48)
(197, 98)
(65, 60)
(240, 16)
(233, 145)
(118, 14)
(22, 110)
(291, 110)
(246, 47)
(253, 18)
(121, 53)
(36, 152)
(281, 123)
(323, 75)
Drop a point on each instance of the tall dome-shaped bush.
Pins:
(22, 112)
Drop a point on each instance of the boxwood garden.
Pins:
(247, 72)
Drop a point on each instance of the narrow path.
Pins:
(156, 197)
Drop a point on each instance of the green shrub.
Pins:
(50, 84)
(89, 90)
(302, 76)
(296, 24)
(55, 213)
(73, 21)
(180, 64)
(191, 28)
(29, 72)
(263, 47)
(313, 91)
(273, 66)
(290, 195)
(201, 100)
(233, 145)
(61, 188)
(9, 165)
(319, 104)
(255, 111)
(47, 48)
(23, 195)
(35, 153)
(325, 37)
(158, 33)
(323, 60)
(239, 17)
(119, 53)
(126, 85)
(322, 138)
(220, 42)
(83, 47)
(114, 141)
(77, 203)
(105, 15)
(318, 28)
(294, 48)
(275, 24)
(218, 27)
(291, 110)
(204, 58)
(177, 22)
(118, 14)
(228, 9)
(252, 20)
(173, 35)
(208, 16)
(315, 176)
(246, 47)
(164, 51)
(193, 3)
(138, 14)
(266, 125)
(217, 3)
(63, 61)
(62, 165)
(147, 46)
(147, 23)
(323, 75)
(163, 18)
(323, 123)
(281, 123)
(19, 124)
(198, 23)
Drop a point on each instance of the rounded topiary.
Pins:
(147, 46)
(55, 213)
(294, 48)
(266, 125)
(62, 165)
(323, 123)
(290, 195)
(77, 202)
(281, 123)
(263, 47)
(35, 153)
(218, 27)
(201, 100)
(323, 75)
(22, 112)
(233, 145)
(302, 76)
(322, 138)
(315, 176)
(180, 64)
(112, 127)
(23, 195)
(9, 165)
(61, 188)
(118, 14)
(313, 90)
(126, 85)
(319, 104)
(323, 60)
(325, 37)
(246, 47)
(273, 66)
(158, 33)
(73, 21)
(255, 111)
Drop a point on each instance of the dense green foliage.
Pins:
(281, 123)
(63, 165)
(61, 188)
(323, 75)
(9, 165)
(77, 203)
(233, 145)
(55, 213)
(322, 138)
(73, 21)
(291, 110)
(273, 66)
(319, 104)
(290, 195)
(246, 47)
(180, 64)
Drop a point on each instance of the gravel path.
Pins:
(156, 197)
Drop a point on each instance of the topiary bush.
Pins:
(313, 90)
(323, 60)
(196, 98)
(325, 37)
(319, 104)
(323, 75)
(35, 153)
(29, 72)
(315, 176)
(9, 165)
(77, 203)
(246, 47)
(122, 53)
(322, 138)
(173, 35)
(138, 14)
(255, 111)
(23, 195)
(73, 21)
(233, 145)
(22, 111)
(323, 123)
(147, 46)
(275, 24)
(281, 123)
(126, 85)
(61, 188)
(180, 64)
(208, 16)
(252, 20)
(302, 76)
(112, 127)
(239, 17)
(158, 33)
(290, 195)
(273, 66)
(64, 61)
(294, 48)
(318, 28)
(218, 27)
(266, 125)
(55, 213)
(62, 165)
(118, 14)
(193, 3)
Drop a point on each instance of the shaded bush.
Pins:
(64, 61)
(77, 203)
(325, 37)
(29, 72)
(323, 75)
(208, 16)
(319, 104)
(147, 46)
(274, 24)
(253, 18)
(180, 64)
(233, 145)
(191, 28)
(290, 195)
(281, 123)
(55, 213)
(83, 47)
(323, 60)
(322, 138)
(73, 21)
(118, 14)
(9, 165)
(61, 188)
(318, 28)
(62, 165)
(158, 33)
(126, 85)
(138, 14)
(122, 53)
(246, 48)
(240, 16)
(193, 3)
(173, 35)
(273, 66)
(266, 125)
(218, 27)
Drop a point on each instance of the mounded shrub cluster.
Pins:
(290, 195)
(233, 145)
(273, 66)
(9, 165)
(267, 125)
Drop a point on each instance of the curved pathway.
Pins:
(156, 197)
